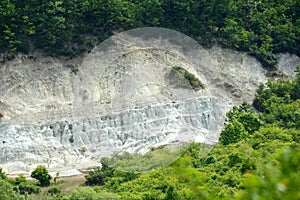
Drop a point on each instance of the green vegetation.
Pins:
(192, 80)
(280, 181)
(2, 174)
(7, 192)
(72, 27)
(258, 156)
(92, 194)
(41, 174)
(24, 186)
(241, 121)
(260, 161)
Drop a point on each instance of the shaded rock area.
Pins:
(122, 96)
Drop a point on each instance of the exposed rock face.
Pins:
(121, 96)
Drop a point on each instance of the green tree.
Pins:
(232, 133)
(241, 121)
(41, 174)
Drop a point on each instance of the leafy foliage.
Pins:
(91, 194)
(72, 27)
(28, 187)
(54, 191)
(193, 81)
(280, 181)
(106, 175)
(41, 174)
(2, 174)
(279, 103)
(7, 192)
(232, 133)
(23, 186)
(241, 121)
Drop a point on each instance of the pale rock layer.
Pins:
(67, 114)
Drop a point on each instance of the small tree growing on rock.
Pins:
(41, 174)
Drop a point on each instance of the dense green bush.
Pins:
(97, 176)
(241, 121)
(7, 192)
(280, 181)
(24, 187)
(53, 190)
(232, 133)
(88, 193)
(28, 187)
(107, 175)
(41, 174)
(279, 102)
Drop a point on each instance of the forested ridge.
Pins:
(71, 27)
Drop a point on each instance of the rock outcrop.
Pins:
(121, 96)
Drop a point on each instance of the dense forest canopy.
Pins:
(71, 27)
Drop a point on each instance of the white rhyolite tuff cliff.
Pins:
(122, 96)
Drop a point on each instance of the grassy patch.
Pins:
(193, 81)
(64, 184)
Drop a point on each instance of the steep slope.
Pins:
(121, 96)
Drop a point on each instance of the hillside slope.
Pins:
(122, 95)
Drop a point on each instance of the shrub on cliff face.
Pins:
(41, 174)
(190, 78)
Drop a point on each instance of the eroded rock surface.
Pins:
(66, 114)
